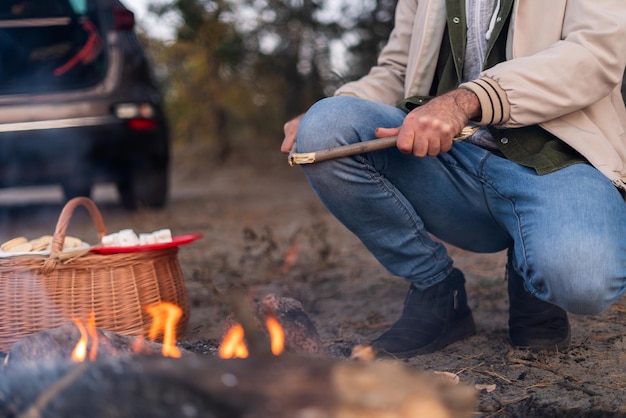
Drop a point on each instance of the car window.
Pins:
(49, 45)
(79, 6)
(33, 9)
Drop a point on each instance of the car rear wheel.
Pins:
(143, 186)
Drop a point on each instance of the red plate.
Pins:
(176, 241)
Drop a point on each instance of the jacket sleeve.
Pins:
(385, 81)
(554, 71)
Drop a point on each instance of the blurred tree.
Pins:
(371, 30)
(238, 69)
(197, 71)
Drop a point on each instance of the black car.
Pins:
(78, 101)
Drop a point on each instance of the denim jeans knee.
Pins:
(581, 284)
(343, 120)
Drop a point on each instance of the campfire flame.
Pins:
(79, 354)
(277, 335)
(165, 317)
(234, 346)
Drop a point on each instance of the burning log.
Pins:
(267, 386)
(298, 333)
(39, 378)
(88, 342)
(56, 345)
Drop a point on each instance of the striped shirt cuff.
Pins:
(494, 105)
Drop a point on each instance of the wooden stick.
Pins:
(358, 148)
(342, 151)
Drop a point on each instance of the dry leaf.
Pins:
(448, 377)
(486, 388)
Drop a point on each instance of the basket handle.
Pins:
(64, 220)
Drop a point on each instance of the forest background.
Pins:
(236, 70)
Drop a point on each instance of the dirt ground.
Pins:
(265, 230)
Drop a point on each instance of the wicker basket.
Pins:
(38, 292)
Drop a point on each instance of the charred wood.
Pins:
(56, 345)
(301, 336)
(277, 387)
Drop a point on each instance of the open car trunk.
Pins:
(50, 45)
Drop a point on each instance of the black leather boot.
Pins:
(533, 323)
(430, 320)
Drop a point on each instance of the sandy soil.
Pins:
(254, 215)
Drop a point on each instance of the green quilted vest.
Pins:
(531, 146)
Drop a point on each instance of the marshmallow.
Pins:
(128, 238)
(163, 235)
(111, 240)
(147, 239)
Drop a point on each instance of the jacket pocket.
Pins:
(413, 102)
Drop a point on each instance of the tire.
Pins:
(144, 186)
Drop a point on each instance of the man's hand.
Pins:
(429, 129)
(291, 129)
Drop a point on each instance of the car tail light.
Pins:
(123, 18)
(142, 124)
(138, 116)
(134, 110)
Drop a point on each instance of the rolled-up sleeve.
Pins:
(494, 105)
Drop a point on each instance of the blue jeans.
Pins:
(566, 230)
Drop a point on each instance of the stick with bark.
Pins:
(358, 148)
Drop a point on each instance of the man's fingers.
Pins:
(287, 144)
(386, 132)
(404, 143)
(421, 147)
(434, 147)
(291, 130)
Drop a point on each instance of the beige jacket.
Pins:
(564, 70)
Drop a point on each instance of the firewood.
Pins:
(266, 386)
(56, 345)
(301, 336)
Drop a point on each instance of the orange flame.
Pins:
(277, 335)
(79, 353)
(165, 317)
(234, 346)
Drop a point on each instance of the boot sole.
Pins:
(461, 329)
